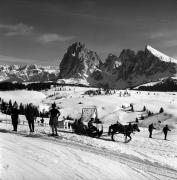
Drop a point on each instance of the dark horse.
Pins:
(122, 129)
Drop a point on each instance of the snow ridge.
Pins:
(160, 55)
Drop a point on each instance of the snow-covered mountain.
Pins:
(160, 55)
(129, 69)
(80, 65)
(28, 73)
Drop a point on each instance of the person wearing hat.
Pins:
(165, 131)
(30, 116)
(53, 122)
(151, 127)
(14, 116)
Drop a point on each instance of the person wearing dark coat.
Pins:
(90, 123)
(14, 117)
(165, 130)
(151, 127)
(30, 116)
(53, 122)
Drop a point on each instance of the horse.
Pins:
(123, 129)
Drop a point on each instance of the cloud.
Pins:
(21, 29)
(16, 30)
(9, 59)
(48, 38)
(159, 35)
(170, 43)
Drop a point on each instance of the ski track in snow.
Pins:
(33, 158)
(48, 151)
(79, 157)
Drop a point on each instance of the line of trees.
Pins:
(6, 107)
(7, 86)
(168, 84)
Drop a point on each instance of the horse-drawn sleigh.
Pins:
(90, 125)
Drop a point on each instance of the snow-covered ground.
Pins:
(80, 157)
(110, 106)
(23, 96)
(37, 156)
(23, 157)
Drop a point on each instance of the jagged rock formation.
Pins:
(78, 62)
(83, 66)
(143, 63)
(129, 69)
(111, 64)
(28, 73)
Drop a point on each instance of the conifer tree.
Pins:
(22, 109)
(15, 104)
(10, 104)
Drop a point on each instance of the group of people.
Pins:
(31, 116)
(53, 121)
(165, 131)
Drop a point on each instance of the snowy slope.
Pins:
(160, 55)
(91, 158)
(23, 96)
(30, 158)
(110, 107)
(81, 157)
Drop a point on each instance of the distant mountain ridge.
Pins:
(28, 73)
(129, 69)
(80, 65)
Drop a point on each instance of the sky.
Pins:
(40, 31)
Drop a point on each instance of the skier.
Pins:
(14, 116)
(165, 130)
(151, 127)
(30, 116)
(53, 122)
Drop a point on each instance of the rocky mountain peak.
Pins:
(161, 56)
(127, 56)
(129, 69)
(111, 63)
(144, 63)
(78, 62)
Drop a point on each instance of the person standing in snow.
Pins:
(151, 127)
(53, 122)
(165, 130)
(30, 116)
(14, 116)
